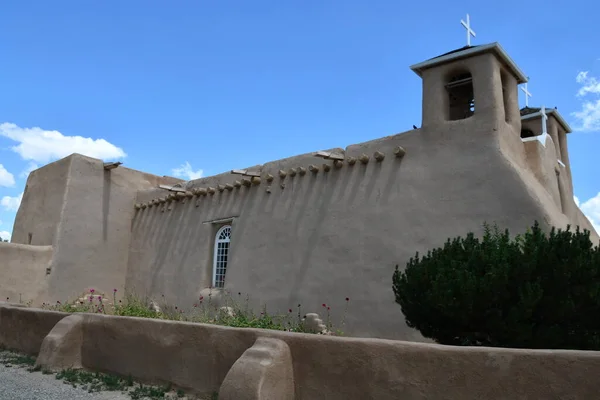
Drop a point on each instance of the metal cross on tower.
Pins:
(470, 32)
(544, 119)
(527, 94)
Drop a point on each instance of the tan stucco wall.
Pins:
(337, 234)
(23, 272)
(41, 208)
(85, 212)
(94, 231)
(198, 358)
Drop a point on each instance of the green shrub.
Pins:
(533, 291)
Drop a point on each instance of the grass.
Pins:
(9, 359)
(232, 311)
(97, 381)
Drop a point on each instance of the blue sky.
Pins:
(197, 88)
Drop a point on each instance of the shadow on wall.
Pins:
(260, 364)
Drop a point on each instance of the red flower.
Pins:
(201, 297)
(328, 308)
(347, 298)
(290, 310)
(324, 305)
(92, 290)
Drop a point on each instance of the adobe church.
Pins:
(311, 229)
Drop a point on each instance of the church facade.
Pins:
(313, 229)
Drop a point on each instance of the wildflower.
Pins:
(201, 297)
(328, 308)
(99, 298)
(91, 298)
(114, 290)
(57, 302)
(347, 298)
(92, 290)
(324, 305)
(290, 310)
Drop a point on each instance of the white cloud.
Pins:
(29, 169)
(6, 178)
(591, 209)
(42, 146)
(186, 172)
(590, 84)
(11, 203)
(588, 118)
(5, 235)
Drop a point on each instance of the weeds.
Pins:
(10, 359)
(96, 381)
(234, 312)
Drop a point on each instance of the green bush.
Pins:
(533, 291)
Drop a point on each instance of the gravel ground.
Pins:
(17, 383)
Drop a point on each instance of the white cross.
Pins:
(527, 95)
(470, 31)
(544, 119)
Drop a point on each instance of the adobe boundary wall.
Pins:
(261, 364)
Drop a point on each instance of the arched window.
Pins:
(221, 255)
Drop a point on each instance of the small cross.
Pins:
(544, 119)
(527, 95)
(470, 31)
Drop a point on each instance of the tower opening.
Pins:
(461, 96)
(505, 97)
(526, 133)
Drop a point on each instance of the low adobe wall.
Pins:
(259, 364)
(24, 329)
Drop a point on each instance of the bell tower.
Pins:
(471, 85)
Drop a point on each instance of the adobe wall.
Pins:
(80, 215)
(23, 272)
(326, 236)
(41, 208)
(256, 363)
(24, 329)
(94, 232)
